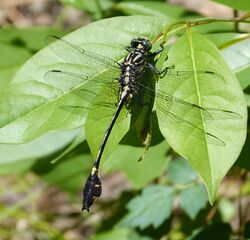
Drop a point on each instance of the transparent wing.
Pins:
(186, 117)
(81, 86)
(80, 109)
(68, 81)
(72, 54)
(181, 107)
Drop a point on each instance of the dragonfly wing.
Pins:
(182, 108)
(190, 129)
(66, 80)
(80, 109)
(72, 54)
(188, 117)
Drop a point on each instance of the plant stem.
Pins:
(203, 21)
(236, 24)
(175, 27)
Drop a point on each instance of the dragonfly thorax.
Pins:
(134, 65)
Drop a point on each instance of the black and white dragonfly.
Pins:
(129, 75)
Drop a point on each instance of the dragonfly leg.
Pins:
(129, 48)
(160, 73)
(154, 54)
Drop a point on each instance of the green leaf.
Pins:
(220, 91)
(31, 106)
(238, 58)
(20, 43)
(76, 142)
(226, 39)
(193, 199)
(121, 234)
(234, 48)
(19, 158)
(239, 4)
(151, 8)
(97, 9)
(125, 158)
(179, 171)
(9, 68)
(151, 208)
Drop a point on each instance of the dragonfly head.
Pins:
(143, 43)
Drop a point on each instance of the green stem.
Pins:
(236, 24)
(175, 27)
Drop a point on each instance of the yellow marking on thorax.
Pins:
(94, 170)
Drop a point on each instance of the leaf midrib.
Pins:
(190, 40)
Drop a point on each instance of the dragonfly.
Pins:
(129, 75)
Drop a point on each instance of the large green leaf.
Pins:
(151, 208)
(31, 106)
(218, 91)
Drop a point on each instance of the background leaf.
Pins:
(152, 8)
(18, 158)
(9, 68)
(151, 208)
(17, 45)
(125, 158)
(193, 199)
(193, 51)
(238, 58)
(68, 174)
(179, 171)
(32, 39)
(121, 234)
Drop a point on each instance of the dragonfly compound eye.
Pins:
(141, 42)
(92, 190)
